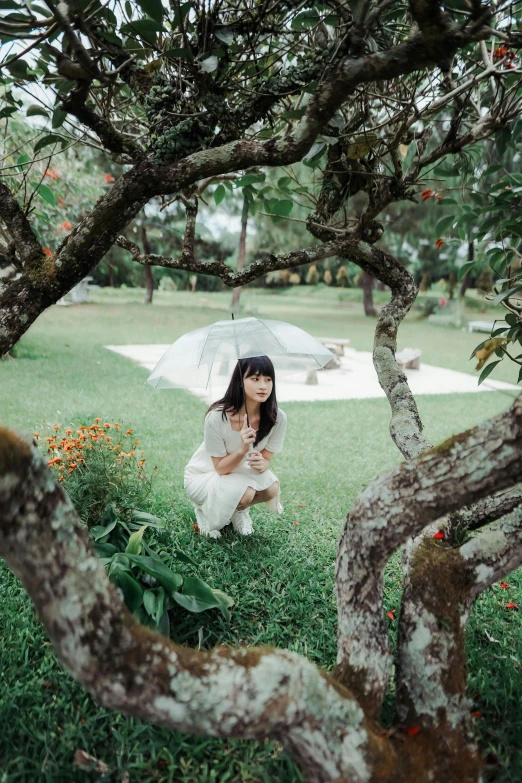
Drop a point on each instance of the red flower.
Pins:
(439, 243)
(476, 714)
(47, 251)
(511, 606)
(504, 585)
(426, 194)
(391, 614)
(443, 301)
(439, 535)
(66, 225)
(52, 173)
(196, 528)
(413, 730)
(108, 178)
(296, 522)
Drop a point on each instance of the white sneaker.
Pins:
(203, 530)
(242, 522)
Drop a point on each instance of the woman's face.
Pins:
(258, 388)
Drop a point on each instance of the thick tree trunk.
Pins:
(241, 251)
(149, 277)
(369, 307)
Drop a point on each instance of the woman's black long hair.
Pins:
(234, 396)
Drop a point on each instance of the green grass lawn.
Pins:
(281, 579)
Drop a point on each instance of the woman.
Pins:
(224, 477)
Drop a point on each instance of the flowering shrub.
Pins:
(103, 473)
(99, 464)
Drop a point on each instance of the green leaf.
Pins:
(197, 596)
(134, 545)
(282, 208)
(152, 8)
(284, 182)
(156, 568)
(505, 295)
(164, 624)
(305, 20)
(23, 158)
(443, 224)
(50, 138)
(183, 54)
(225, 35)
(153, 601)
(179, 555)
(219, 194)
(131, 589)
(488, 369)
(35, 110)
(58, 117)
(145, 518)
(249, 179)
(105, 550)
(47, 194)
(464, 269)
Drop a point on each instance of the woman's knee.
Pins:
(247, 497)
(273, 490)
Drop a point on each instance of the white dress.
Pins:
(215, 497)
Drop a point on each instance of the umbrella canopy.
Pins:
(215, 349)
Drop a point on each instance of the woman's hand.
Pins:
(256, 460)
(248, 435)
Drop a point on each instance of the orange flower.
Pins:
(132, 453)
(107, 425)
(140, 463)
(108, 178)
(54, 461)
(391, 614)
(97, 419)
(439, 243)
(62, 478)
(52, 173)
(66, 225)
(119, 459)
(36, 434)
(47, 251)
(116, 448)
(136, 442)
(129, 432)
(116, 425)
(68, 432)
(50, 440)
(56, 427)
(196, 528)
(53, 446)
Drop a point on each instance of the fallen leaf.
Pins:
(82, 760)
(490, 638)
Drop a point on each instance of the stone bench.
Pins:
(338, 344)
(409, 358)
(480, 326)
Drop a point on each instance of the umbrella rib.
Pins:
(281, 343)
(203, 347)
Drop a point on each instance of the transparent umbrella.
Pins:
(215, 349)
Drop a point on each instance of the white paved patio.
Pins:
(355, 379)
